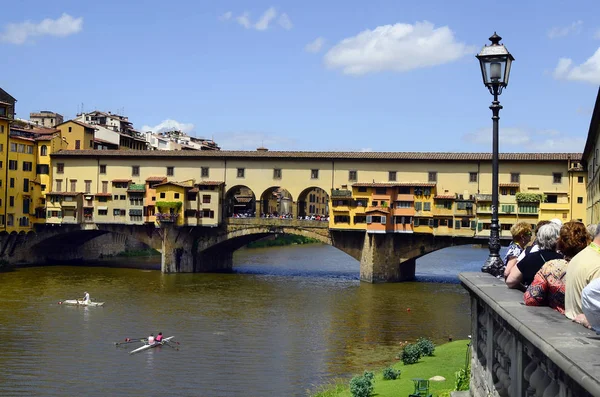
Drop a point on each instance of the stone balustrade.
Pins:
(520, 350)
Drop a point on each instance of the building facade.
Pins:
(434, 193)
(591, 163)
(46, 118)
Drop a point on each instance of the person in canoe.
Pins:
(159, 337)
(86, 297)
(151, 339)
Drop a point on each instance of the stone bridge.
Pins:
(383, 257)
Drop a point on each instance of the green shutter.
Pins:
(480, 226)
(473, 225)
(457, 224)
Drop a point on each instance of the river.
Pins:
(288, 319)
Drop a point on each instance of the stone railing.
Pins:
(520, 350)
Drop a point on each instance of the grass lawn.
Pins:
(448, 358)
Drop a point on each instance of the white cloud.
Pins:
(244, 20)
(400, 48)
(574, 28)
(169, 125)
(597, 34)
(515, 139)
(248, 140)
(226, 16)
(265, 19)
(19, 33)
(588, 72)
(285, 21)
(315, 45)
(264, 22)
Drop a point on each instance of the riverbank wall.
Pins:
(523, 350)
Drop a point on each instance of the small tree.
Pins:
(410, 354)
(426, 346)
(362, 386)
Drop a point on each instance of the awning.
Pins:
(103, 207)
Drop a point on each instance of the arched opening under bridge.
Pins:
(276, 202)
(313, 202)
(240, 201)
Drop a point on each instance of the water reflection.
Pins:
(289, 318)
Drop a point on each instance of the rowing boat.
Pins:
(78, 302)
(147, 346)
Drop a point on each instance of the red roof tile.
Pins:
(394, 184)
(102, 194)
(509, 184)
(121, 180)
(210, 183)
(72, 194)
(427, 156)
(156, 179)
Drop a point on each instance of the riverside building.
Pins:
(431, 193)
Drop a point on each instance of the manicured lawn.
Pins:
(448, 359)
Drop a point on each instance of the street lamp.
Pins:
(495, 62)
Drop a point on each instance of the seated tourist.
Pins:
(590, 304)
(583, 268)
(548, 286)
(591, 228)
(522, 274)
(521, 234)
(533, 245)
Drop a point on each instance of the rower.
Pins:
(159, 337)
(86, 297)
(151, 339)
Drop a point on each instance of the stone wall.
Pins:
(520, 350)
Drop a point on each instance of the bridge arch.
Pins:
(240, 200)
(313, 200)
(276, 201)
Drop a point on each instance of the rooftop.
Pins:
(429, 156)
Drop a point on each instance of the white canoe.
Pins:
(147, 346)
(82, 303)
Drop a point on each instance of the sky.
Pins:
(347, 75)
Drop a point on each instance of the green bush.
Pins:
(362, 386)
(390, 373)
(426, 346)
(410, 354)
(462, 378)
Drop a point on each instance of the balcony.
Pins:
(405, 197)
(403, 211)
(442, 211)
(554, 206)
(166, 218)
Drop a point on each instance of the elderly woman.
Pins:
(522, 274)
(521, 234)
(548, 286)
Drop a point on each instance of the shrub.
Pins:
(426, 346)
(362, 386)
(410, 354)
(462, 378)
(390, 373)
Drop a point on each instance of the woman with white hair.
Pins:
(523, 273)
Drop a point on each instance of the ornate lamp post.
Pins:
(495, 62)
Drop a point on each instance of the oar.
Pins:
(168, 343)
(130, 341)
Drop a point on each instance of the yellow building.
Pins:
(433, 193)
(591, 163)
(7, 112)
(77, 135)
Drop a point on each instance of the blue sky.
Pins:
(336, 75)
